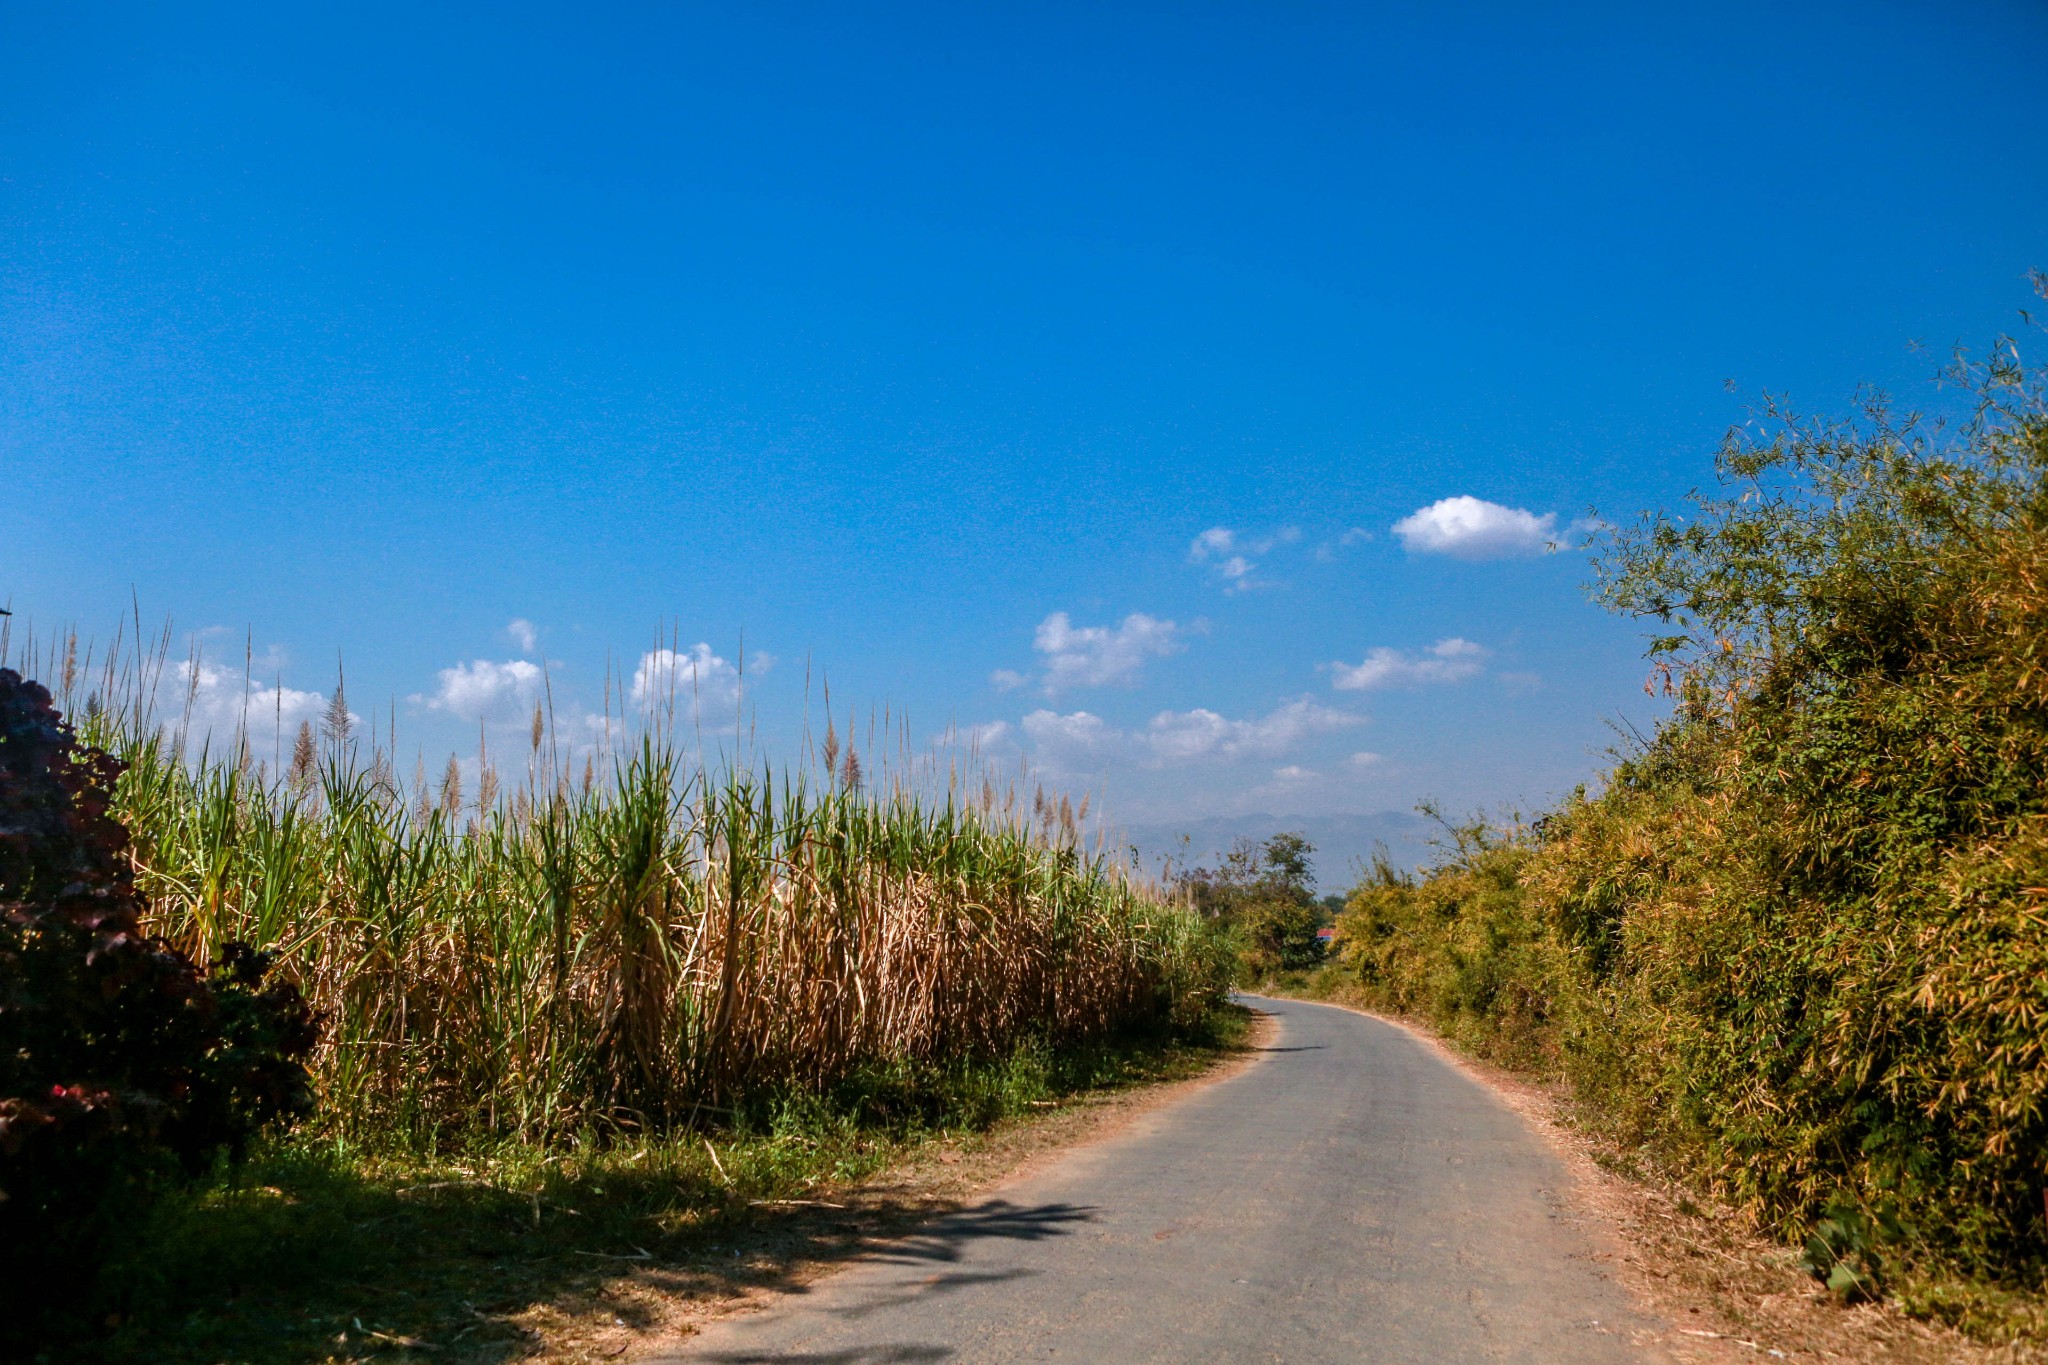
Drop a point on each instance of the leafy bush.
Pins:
(1799, 944)
(1843, 1252)
(1821, 887)
(1259, 898)
(1462, 947)
(120, 1060)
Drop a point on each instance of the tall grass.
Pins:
(626, 939)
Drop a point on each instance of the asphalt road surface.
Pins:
(1347, 1197)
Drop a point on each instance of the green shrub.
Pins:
(1258, 902)
(1799, 944)
(1822, 884)
(1461, 947)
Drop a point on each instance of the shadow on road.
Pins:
(945, 1239)
(309, 1255)
(927, 1248)
(896, 1353)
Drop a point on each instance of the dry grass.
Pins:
(649, 945)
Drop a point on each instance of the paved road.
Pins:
(1347, 1197)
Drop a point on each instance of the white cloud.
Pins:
(696, 679)
(1094, 656)
(1366, 759)
(1329, 551)
(1179, 736)
(483, 688)
(1063, 743)
(983, 736)
(1081, 729)
(220, 699)
(1472, 528)
(1007, 679)
(1230, 555)
(1446, 661)
(1294, 772)
(523, 633)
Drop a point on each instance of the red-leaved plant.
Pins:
(122, 1062)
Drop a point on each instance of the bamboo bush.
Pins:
(1798, 944)
(636, 949)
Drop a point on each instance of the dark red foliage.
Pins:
(120, 1059)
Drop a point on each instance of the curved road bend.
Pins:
(1348, 1197)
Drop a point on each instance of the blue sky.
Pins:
(934, 345)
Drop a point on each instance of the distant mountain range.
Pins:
(1343, 843)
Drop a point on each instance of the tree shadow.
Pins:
(316, 1253)
(947, 1237)
(319, 1263)
(893, 1353)
(946, 1240)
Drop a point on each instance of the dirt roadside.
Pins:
(1727, 1294)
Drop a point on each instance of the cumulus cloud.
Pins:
(1231, 556)
(1177, 736)
(695, 678)
(1446, 661)
(1007, 679)
(482, 688)
(1095, 656)
(1472, 528)
(1172, 738)
(523, 633)
(218, 700)
(982, 736)
(1064, 742)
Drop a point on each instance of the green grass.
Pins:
(317, 1244)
